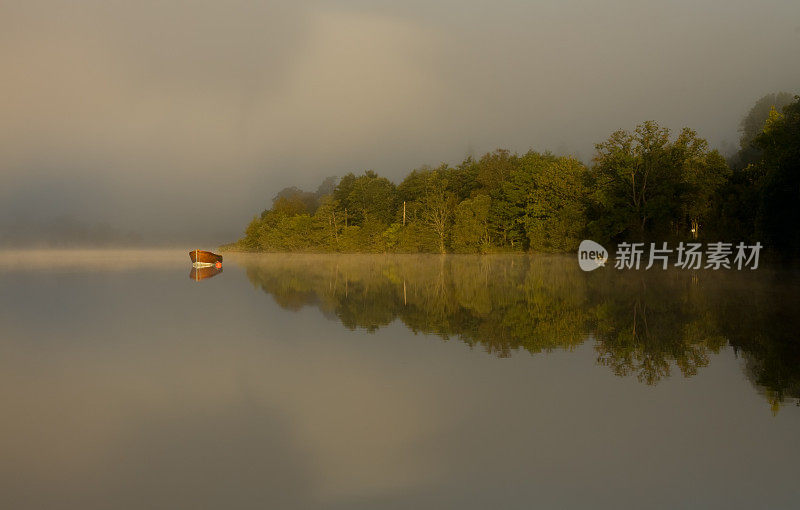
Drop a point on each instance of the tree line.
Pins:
(643, 185)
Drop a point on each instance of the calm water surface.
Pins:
(394, 382)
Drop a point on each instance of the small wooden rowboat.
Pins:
(201, 258)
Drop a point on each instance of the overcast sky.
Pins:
(180, 120)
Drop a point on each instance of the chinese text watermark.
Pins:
(592, 255)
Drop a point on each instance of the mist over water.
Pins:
(329, 381)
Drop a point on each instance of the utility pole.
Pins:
(404, 213)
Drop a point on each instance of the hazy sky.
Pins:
(180, 120)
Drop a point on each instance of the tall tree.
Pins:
(437, 205)
(752, 125)
(328, 223)
(703, 173)
(366, 196)
(411, 191)
(327, 187)
(471, 225)
(295, 201)
(639, 181)
(555, 211)
(779, 214)
(494, 168)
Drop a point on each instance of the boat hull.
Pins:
(204, 257)
(203, 273)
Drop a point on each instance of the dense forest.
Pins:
(642, 185)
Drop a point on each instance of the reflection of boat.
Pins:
(202, 258)
(201, 273)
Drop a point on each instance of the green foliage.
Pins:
(292, 200)
(735, 205)
(779, 200)
(752, 125)
(703, 173)
(471, 227)
(391, 236)
(416, 238)
(643, 185)
(327, 225)
(555, 210)
(436, 205)
(290, 206)
(250, 240)
(647, 186)
(494, 168)
(636, 179)
(366, 196)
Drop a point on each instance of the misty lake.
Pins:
(325, 381)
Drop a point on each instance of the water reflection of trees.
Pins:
(646, 324)
(759, 318)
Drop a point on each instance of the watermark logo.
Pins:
(591, 255)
